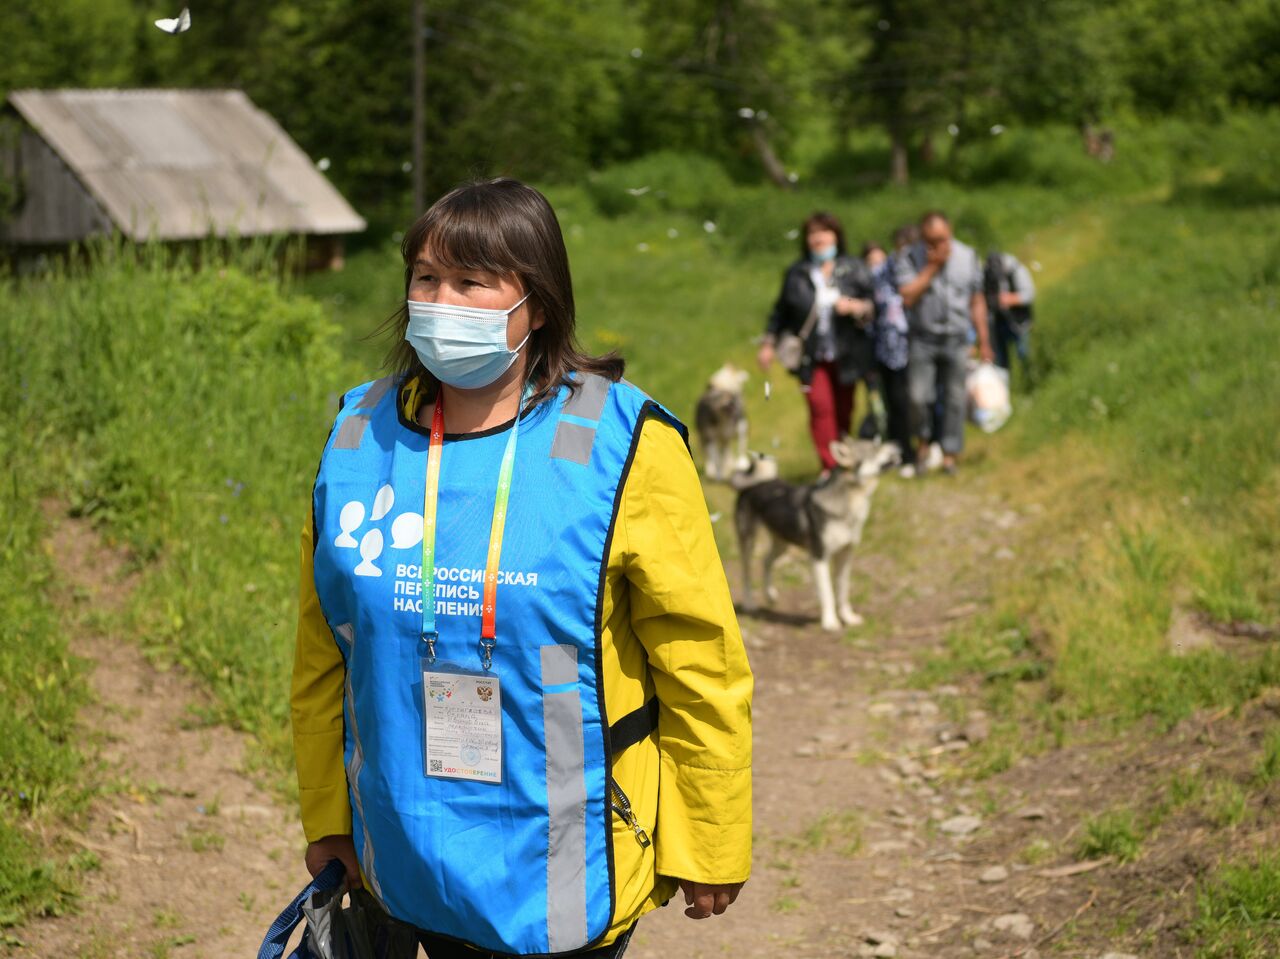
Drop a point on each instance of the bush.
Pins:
(666, 180)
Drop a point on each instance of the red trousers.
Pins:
(830, 410)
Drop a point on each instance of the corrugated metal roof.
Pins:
(180, 164)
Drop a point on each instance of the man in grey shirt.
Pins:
(940, 280)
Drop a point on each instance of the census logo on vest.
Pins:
(406, 530)
(457, 590)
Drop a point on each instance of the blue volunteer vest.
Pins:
(524, 866)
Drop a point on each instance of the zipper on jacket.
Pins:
(622, 806)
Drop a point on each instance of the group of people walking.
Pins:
(902, 323)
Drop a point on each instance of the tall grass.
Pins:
(182, 411)
(1158, 434)
(41, 686)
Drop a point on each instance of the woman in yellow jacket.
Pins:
(521, 703)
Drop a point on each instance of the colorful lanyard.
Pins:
(488, 620)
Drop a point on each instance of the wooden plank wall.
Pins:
(53, 206)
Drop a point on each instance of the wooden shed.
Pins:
(166, 165)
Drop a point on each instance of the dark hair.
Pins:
(503, 226)
(930, 215)
(821, 220)
(905, 235)
(870, 247)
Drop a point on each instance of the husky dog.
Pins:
(753, 469)
(824, 518)
(721, 419)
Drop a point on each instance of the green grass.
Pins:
(1115, 833)
(1226, 805)
(1182, 789)
(842, 830)
(1238, 911)
(206, 840)
(41, 686)
(1036, 852)
(1268, 770)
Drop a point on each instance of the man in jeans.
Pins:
(940, 280)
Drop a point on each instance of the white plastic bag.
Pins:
(988, 388)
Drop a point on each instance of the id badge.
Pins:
(463, 735)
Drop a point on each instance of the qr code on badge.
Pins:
(437, 765)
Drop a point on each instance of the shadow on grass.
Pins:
(775, 616)
(1236, 190)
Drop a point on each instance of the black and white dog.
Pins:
(824, 518)
(753, 469)
(721, 421)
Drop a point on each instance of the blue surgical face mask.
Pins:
(464, 346)
(824, 254)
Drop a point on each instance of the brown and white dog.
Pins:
(721, 421)
(824, 518)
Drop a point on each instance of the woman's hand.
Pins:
(334, 847)
(706, 899)
(765, 355)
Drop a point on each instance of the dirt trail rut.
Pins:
(195, 859)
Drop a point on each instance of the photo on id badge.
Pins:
(463, 719)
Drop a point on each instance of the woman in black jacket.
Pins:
(828, 299)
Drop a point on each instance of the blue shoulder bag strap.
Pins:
(278, 935)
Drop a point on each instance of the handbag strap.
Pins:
(811, 319)
(277, 937)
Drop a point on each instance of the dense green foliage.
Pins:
(550, 90)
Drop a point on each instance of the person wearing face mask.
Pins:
(521, 703)
(827, 301)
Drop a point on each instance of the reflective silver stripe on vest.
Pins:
(374, 394)
(351, 432)
(587, 400)
(573, 440)
(357, 763)
(566, 802)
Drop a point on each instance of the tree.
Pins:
(737, 78)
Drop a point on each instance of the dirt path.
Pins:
(195, 859)
(864, 845)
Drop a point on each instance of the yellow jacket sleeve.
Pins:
(683, 615)
(315, 702)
